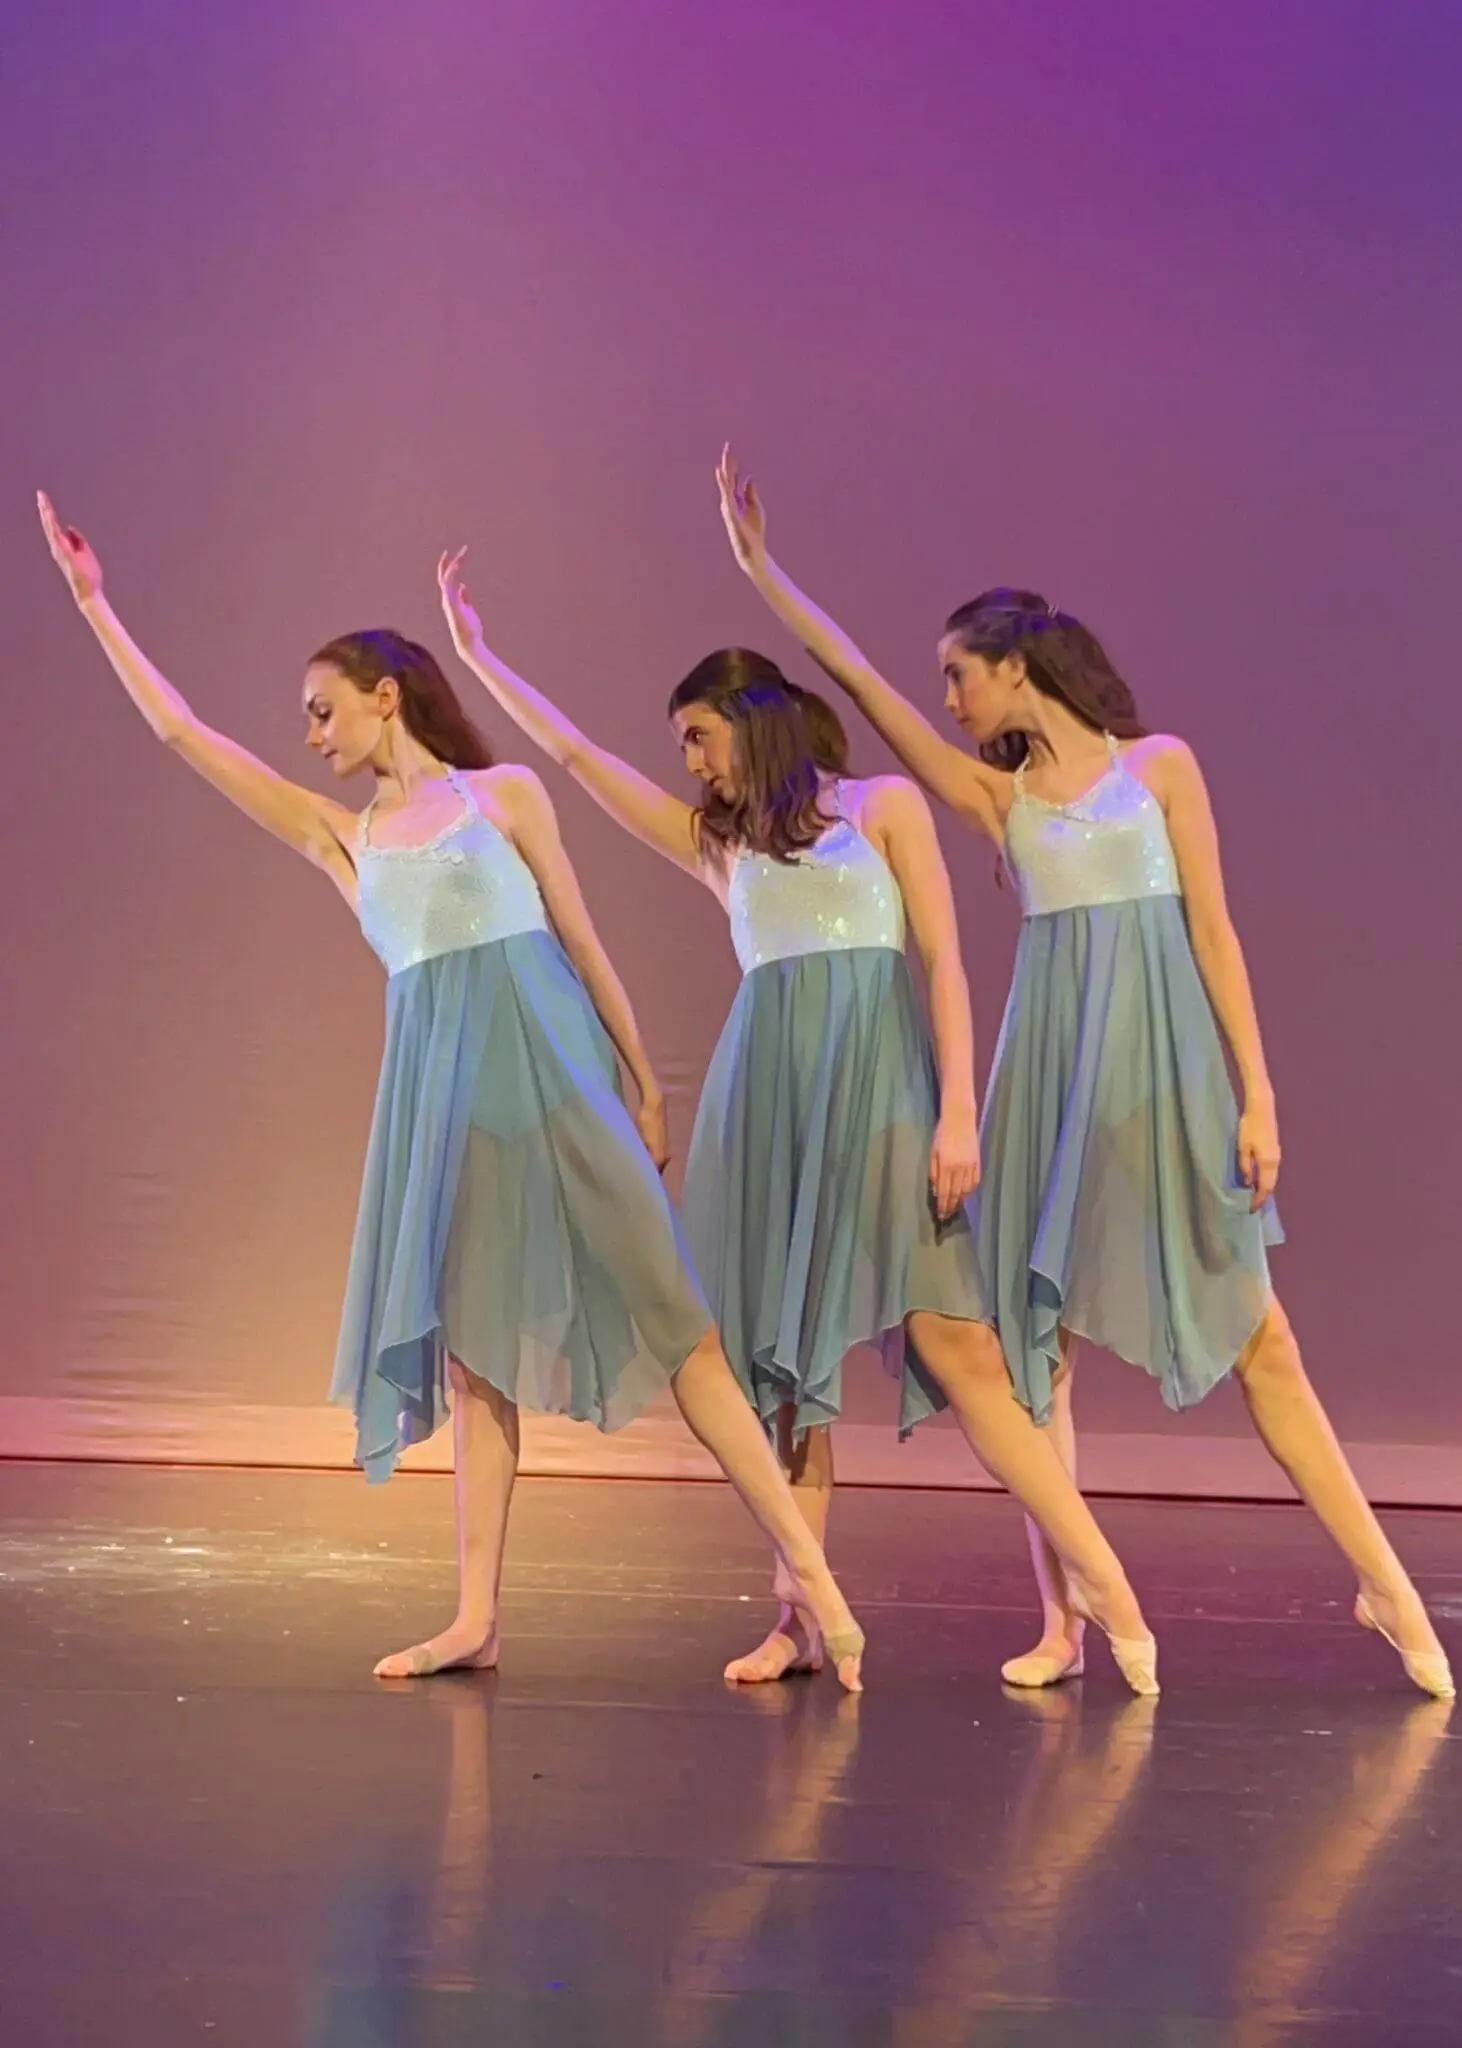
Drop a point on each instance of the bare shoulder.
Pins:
(881, 800)
(512, 791)
(1166, 764)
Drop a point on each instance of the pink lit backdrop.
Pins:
(1157, 308)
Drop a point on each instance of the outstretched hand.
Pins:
(71, 554)
(461, 614)
(742, 513)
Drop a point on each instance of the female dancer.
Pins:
(830, 1161)
(1126, 1199)
(513, 1235)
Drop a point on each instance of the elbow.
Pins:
(944, 967)
(1211, 933)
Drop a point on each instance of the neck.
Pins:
(403, 765)
(1055, 733)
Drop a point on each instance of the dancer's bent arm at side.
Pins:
(899, 822)
(313, 825)
(1170, 769)
(957, 778)
(631, 799)
(535, 833)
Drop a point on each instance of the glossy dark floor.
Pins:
(215, 1828)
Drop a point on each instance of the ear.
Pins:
(388, 696)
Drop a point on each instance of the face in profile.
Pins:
(707, 742)
(979, 694)
(344, 724)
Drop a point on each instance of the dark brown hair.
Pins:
(430, 708)
(776, 808)
(1063, 659)
(826, 734)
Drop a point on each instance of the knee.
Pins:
(1271, 1358)
(704, 1367)
(470, 1386)
(959, 1352)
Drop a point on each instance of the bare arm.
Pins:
(1172, 773)
(899, 821)
(958, 778)
(631, 799)
(312, 825)
(535, 833)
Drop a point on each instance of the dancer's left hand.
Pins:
(742, 513)
(954, 1163)
(1259, 1152)
(653, 1125)
(461, 612)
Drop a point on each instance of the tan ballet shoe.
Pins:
(1427, 1669)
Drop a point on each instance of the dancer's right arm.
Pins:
(960, 779)
(311, 824)
(631, 799)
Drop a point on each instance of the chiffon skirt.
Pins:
(807, 1200)
(510, 1216)
(1111, 1202)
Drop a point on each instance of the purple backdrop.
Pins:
(1158, 308)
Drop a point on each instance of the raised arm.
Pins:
(534, 829)
(898, 820)
(1169, 769)
(311, 824)
(948, 771)
(631, 799)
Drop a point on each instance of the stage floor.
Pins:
(217, 1829)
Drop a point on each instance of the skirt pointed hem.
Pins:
(510, 1217)
(1173, 1398)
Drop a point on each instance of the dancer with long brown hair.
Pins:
(514, 1240)
(1127, 1197)
(836, 1141)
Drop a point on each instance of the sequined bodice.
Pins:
(465, 887)
(837, 895)
(1110, 846)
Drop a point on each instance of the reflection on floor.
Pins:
(217, 1829)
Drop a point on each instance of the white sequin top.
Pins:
(1110, 846)
(834, 897)
(466, 886)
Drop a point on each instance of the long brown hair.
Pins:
(1063, 659)
(776, 808)
(826, 734)
(430, 708)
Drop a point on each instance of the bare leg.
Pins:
(1297, 1434)
(967, 1361)
(485, 1439)
(719, 1415)
(795, 1644)
(1059, 1653)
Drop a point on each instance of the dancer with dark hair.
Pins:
(835, 1145)
(1127, 1198)
(514, 1240)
